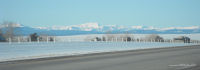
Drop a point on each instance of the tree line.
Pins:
(9, 32)
(108, 36)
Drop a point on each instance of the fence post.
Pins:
(18, 40)
(101, 38)
(112, 39)
(30, 39)
(139, 40)
(9, 39)
(38, 40)
(47, 39)
(105, 40)
(54, 39)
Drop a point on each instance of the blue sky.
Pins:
(158, 13)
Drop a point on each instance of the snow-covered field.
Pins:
(20, 51)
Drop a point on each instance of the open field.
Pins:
(174, 58)
(21, 51)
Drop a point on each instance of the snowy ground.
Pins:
(20, 51)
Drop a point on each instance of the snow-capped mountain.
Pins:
(95, 28)
(81, 27)
(10, 25)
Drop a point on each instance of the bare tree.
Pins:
(90, 38)
(126, 36)
(9, 30)
(43, 37)
(34, 36)
(155, 38)
(183, 39)
(46, 37)
(109, 36)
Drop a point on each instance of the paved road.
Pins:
(179, 58)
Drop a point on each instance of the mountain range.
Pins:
(95, 28)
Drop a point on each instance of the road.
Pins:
(177, 58)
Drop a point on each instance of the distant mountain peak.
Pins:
(88, 26)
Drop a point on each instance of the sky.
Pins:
(157, 13)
